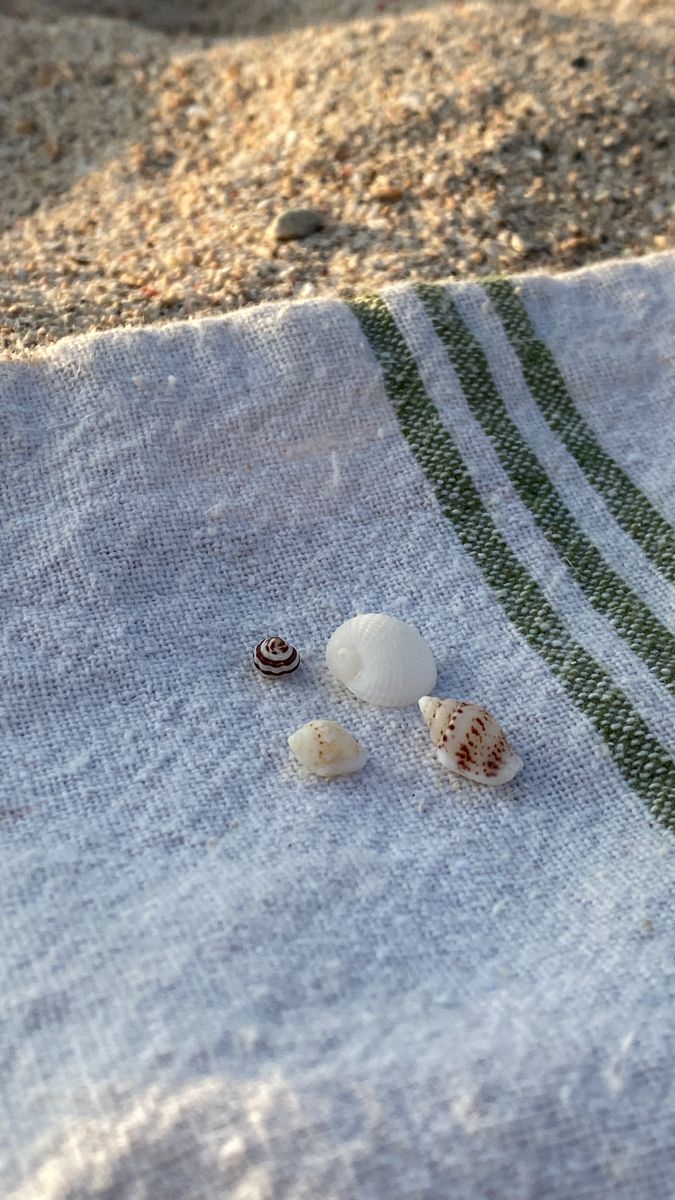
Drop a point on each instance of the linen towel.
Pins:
(223, 977)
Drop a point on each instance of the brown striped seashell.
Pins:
(274, 656)
(469, 741)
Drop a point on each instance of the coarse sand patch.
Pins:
(142, 168)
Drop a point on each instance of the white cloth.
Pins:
(224, 978)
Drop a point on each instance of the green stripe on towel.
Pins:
(631, 508)
(641, 758)
(606, 590)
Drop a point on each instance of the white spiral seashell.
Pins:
(327, 749)
(381, 660)
(470, 741)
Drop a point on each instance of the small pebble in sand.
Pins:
(297, 223)
(386, 193)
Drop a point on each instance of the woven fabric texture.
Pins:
(222, 977)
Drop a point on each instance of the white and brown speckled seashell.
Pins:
(328, 749)
(469, 741)
(274, 656)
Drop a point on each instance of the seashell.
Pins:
(381, 660)
(470, 741)
(326, 748)
(274, 656)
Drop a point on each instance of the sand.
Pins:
(144, 154)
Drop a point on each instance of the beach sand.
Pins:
(144, 153)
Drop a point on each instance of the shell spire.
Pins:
(469, 740)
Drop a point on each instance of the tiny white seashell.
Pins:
(326, 748)
(381, 660)
(470, 741)
(274, 656)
